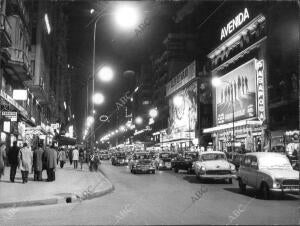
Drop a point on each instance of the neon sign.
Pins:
(259, 65)
(234, 23)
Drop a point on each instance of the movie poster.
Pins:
(237, 91)
(183, 116)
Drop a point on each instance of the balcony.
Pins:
(19, 64)
(5, 31)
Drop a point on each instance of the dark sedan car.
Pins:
(185, 162)
(141, 162)
(163, 161)
(119, 159)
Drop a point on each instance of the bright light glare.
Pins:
(47, 23)
(127, 16)
(106, 74)
(216, 82)
(153, 113)
(138, 120)
(178, 100)
(92, 11)
(98, 98)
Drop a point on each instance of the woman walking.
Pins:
(2, 158)
(62, 157)
(25, 157)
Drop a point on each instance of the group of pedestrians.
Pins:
(77, 155)
(27, 161)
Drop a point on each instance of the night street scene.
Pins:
(150, 112)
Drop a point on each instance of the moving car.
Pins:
(214, 165)
(119, 159)
(141, 162)
(163, 161)
(267, 172)
(185, 162)
(104, 155)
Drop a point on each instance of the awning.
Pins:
(230, 125)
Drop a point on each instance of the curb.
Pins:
(51, 201)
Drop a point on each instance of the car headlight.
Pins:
(232, 167)
(277, 183)
(202, 168)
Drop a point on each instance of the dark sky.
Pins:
(123, 50)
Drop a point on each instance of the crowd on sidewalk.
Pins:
(41, 158)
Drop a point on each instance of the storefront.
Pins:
(239, 69)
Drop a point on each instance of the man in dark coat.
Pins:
(13, 160)
(49, 159)
(38, 162)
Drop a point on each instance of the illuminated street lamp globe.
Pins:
(98, 98)
(126, 16)
(105, 74)
(153, 113)
(138, 120)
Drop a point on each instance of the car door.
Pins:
(244, 171)
(253, 171)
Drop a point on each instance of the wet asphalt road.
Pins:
(163, 198)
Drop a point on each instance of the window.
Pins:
(254, 163)
(246, 161)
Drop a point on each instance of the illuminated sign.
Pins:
(237, 94)
(185, 76)
(12, 115)
(234, 23)
(20, 94)
(259, 65)
(6, 126)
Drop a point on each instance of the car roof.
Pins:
(263, 154)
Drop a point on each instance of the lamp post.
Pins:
(216, 82)
(126, 16)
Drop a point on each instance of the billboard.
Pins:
(183, 115)
(237, 94)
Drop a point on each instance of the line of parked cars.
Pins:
(265, 171)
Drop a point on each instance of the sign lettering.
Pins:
(234, 23)
(260, 90)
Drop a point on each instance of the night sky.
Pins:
(122, 50)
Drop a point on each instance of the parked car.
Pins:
(163, 161)
(119, 159)
(267, 172)
(214, 165)
(185, 162)
(141, 162)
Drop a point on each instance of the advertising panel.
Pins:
(183, 110)
(237, 93)
(185, 76)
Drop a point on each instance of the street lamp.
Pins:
(138, 120)
(126, 16)
(98, 98)
(105, 74)
(153, 113)
(216, 82)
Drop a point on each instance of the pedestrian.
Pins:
(38, 162)
(25, 162)
(49, 159)
(62, 157)
(70, 153)
(13, 160)
(75, 157)
(2, 158)
(81, 157)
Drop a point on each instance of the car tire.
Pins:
(265, 191)
(242, 186)
(176, 170)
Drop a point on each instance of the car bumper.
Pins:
(293, 188)
(121, 163)
(226, 176)
(143, 170)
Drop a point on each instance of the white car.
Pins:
(214, 165)
(267, 172)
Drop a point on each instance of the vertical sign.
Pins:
(259, 65)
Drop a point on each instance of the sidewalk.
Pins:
(70, 186)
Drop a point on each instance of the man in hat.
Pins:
(13, 160)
